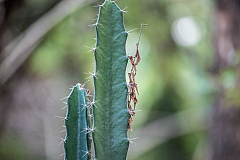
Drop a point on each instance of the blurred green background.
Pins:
(176, 89)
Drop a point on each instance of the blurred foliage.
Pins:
(172, 78)
(11, 147)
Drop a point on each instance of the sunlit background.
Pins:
(46, 48)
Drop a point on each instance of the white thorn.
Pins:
(130, 140)
(63, 98)
(64, 107)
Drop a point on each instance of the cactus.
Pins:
(109, 107)
(75, 143)
(110, 111)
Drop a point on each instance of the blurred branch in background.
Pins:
(169, 127)
(22, 46)
(27, 105)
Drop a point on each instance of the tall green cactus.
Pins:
(109, 106)
(110, 111)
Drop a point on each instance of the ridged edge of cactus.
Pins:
(89, 123)
(110, 111)
(75, 143)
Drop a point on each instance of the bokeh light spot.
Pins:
(186, 31)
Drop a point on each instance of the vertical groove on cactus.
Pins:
(89, 123)
(76, 126)
(110, 96)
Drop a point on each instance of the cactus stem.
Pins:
(76, 121)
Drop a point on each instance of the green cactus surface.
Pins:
(89, 123)
(76, 126)
(110, 113)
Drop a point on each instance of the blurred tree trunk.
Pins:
(225, 127)
(6, 9)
